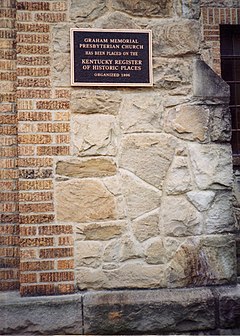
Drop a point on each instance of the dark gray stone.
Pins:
(151, 311)
(40, 315)
(229, 306)
(207, 84)
(220, 3)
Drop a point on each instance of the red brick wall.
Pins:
(9, 228)
(46, 264)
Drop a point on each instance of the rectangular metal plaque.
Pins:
(102, 57)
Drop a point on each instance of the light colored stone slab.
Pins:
(147, 226)
(141, 113)
(179, 178)
(149, 8)
(84, 10)
(100, 231)
(148, 156)
(83, 201)
(88, 253)
(212, 165)
(94, 135)
(116, 20)
(201, 199)
(97, 101)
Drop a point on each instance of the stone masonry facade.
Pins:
(111, 188)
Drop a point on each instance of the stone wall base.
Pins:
(205, 311)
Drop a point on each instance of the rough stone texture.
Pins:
(212, 165)
(140, 197)
(220, 125)
(40, 316)
(148, 156)
(95, 167)
(148, 8)
(130, 249)
(116, 20)
(100, 231)
(97, 101)
(61, 38)
(88, 253)
(207, 84)
(83, 201)
(147, 226)
(83, 10)
(175, 38)
(155, 252)
(201, 199)
(179, 179)
(141, 113)
(203, 261)
(220, 215)
(179, 217)
(94, 135)
(149, 312)
(129, 275)
(188, 122)
(61, 69)
(188, 9)
(171, 73)
(229, 306)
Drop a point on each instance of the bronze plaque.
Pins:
(101, 57)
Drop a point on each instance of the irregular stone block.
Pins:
(147, 226)
(130, 249)
(149, 8)
(188, 122)
(83, 201)
(129, 275)
(141, 113)
(100, 231)
(116, 20)
(61, 70)
(149, 312)
(140, 197)
(171, 73)
(61, 38)
(95, 101)
(212, 165)
(220, 125)
(203, 261)
(207, 84)
(98, 167)
(179, 178)
(175, 38)
(112, 251)
(179, 217)
(84, 10)
(94, 135)
(220, 3)
(155, 252)
(88, 253)
(188, 9)
(229, 306)
(220, 215)
(148, 156)
(201, 199)
(41, 315)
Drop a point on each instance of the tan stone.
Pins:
(112, 251)
(178, 37)
(140, 197)
(131, 275)
(141, 113)
(148, 156)
(100, 231)
(116, 20)
(149, 8)
(189, 122)
(88, 254)
(212, 165)
(84, 10)
(130, 249)
(155, 252)
(94, 167)
(146, 226)
(179, 178)
(99, 101)
(61, 70)
(179, 217)
(94, 135)
(83, 201)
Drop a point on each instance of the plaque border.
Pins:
(148, 31)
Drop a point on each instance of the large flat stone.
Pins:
(149, 8)
(84, 10)
(47, 315)
(149, 312)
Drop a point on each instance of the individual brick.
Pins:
(56, 253)
(52, 105)
(65, 264)
(33, 60)
(35, 72)
(28, 278)
(53, 128)
(32, 49)
(29, 266)
(35, 185)
(62, 139)
(64, 288)
(30, 173)
(55, 230)
(66, 241)
(8, 218)
(9, 252)
(33, 6)
(34, 139)
(35, 290)
(50, 17)
(36, 219)
(29, 94)
(11, 229)
(28, 231)
(28, 254)
(39, 207)
(53, 150)
(34, 242)
(34, 116)
(56, 276)
(9, 285)
(23, 16)
(35, 197)
(9, 240)
(26, 150)
(36, 38)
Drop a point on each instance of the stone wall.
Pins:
(121, 187)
